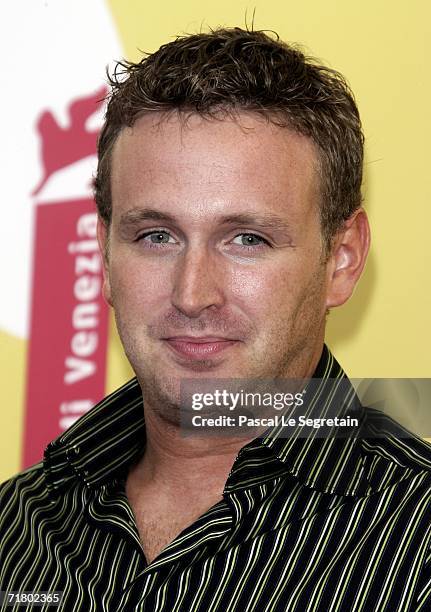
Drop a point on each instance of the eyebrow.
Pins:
(135, 215)
(265, 221)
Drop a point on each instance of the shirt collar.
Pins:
(331, 464)
(102, 445)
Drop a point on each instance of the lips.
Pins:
(199, 347)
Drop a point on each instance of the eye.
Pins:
(157, 237)
(250, 240)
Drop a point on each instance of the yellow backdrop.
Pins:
(382, 47)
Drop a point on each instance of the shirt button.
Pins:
(75, 450)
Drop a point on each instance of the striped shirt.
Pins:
(304, 523)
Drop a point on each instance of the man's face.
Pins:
(215, 264)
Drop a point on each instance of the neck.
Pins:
(173, 462)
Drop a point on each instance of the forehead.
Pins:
(202, 164)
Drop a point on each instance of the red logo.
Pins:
(68, 329)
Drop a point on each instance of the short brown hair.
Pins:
(231, 70)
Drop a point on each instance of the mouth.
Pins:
(195, 348)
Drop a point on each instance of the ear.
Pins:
(103, 240)
(347, 259)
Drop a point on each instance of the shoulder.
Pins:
(25, 479)
(388, 440)
(14, 492)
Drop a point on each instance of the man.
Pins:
(230, 222)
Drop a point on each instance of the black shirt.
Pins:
(304, 524)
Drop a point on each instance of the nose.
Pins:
(198, 282)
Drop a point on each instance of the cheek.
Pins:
(280, 295)
(135, 285)
(248, 285)
(265, 290)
